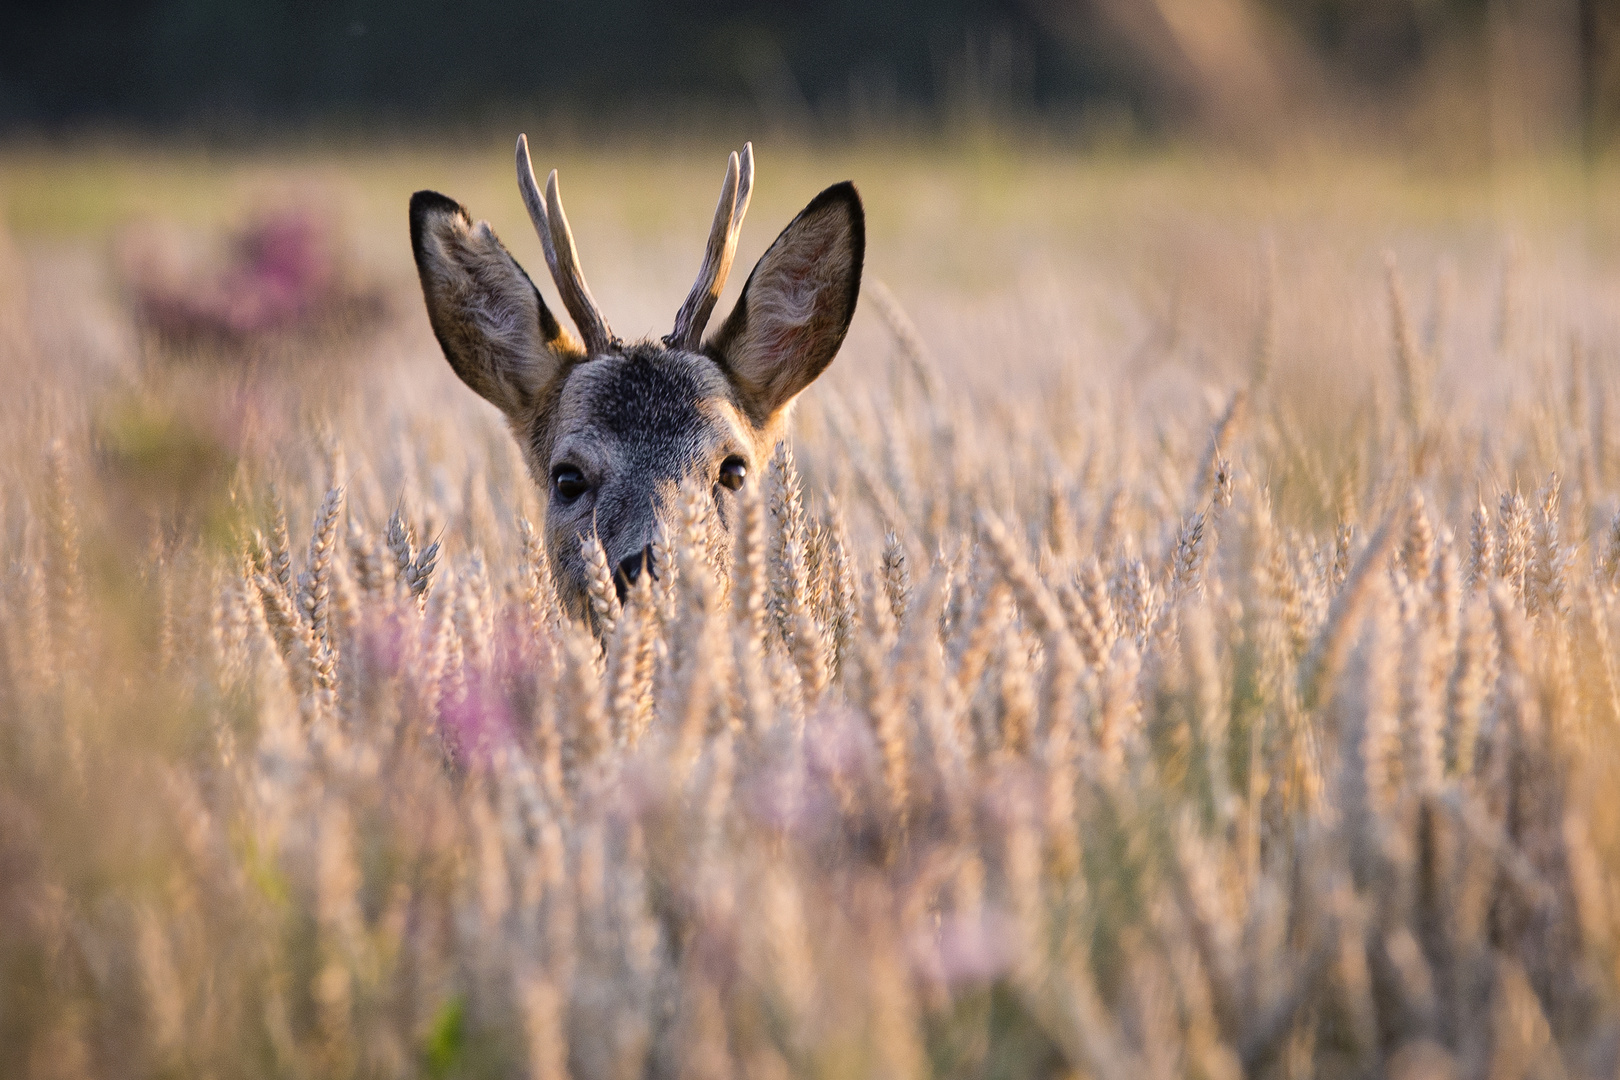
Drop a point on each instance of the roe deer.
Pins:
(610, 429)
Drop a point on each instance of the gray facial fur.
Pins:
(638, 424)
(638, 421)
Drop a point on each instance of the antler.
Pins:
(558, 241)
(722, 248)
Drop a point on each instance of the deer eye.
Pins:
(733, 471)
(569, 482)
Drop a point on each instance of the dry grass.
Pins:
(1164, 651)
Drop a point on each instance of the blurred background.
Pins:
(1458, 79)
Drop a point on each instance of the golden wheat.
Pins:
(1023, 734)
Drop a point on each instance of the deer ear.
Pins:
(794, 311)
(490, 321)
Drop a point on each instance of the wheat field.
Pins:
(1178, 641)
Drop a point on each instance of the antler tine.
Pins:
(694, 313)
(535, 204)
(576, 295)
(557, 240)
(745, 187)
(718, 254)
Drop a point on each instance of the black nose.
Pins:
(629, 571)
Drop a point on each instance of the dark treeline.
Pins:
(195, 62)
(189, 60)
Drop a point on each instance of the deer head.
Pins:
(610, 429)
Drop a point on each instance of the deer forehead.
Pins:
(650, 408)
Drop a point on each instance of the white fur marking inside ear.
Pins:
(793, 304)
